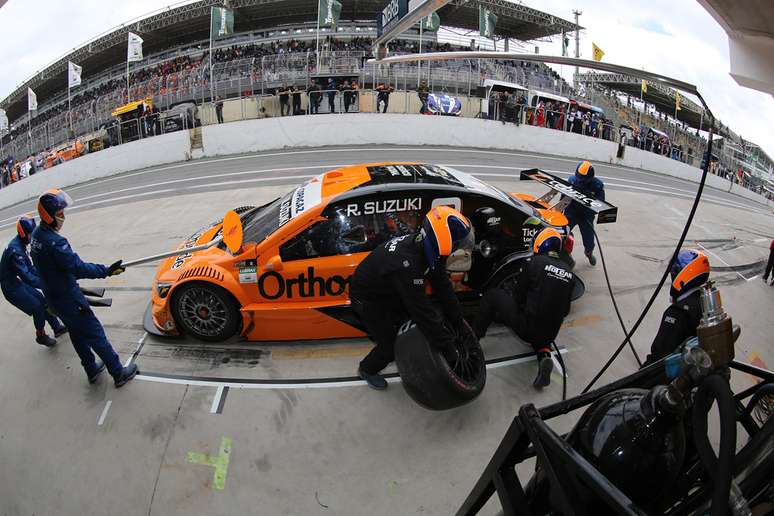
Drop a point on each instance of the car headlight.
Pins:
(162, 289)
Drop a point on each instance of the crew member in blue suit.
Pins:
(582, 216)
(20, 284)
(60, 268)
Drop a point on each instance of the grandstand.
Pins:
(274, 49)
(188, 25)
(176, 45)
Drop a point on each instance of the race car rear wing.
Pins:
(605, 211)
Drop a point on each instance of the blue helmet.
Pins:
(25, 226)
(51, 205)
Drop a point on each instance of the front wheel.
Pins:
(205, 311)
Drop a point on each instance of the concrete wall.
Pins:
(356, 129)
(160, 150)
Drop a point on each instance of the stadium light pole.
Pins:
(577, 14)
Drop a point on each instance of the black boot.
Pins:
(545, 367)
(375, 381)
(93, 377)
(45, 340)
(61, 330)
(126, 374)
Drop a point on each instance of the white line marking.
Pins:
(104, 413)
(558, 366)
(177, 191)
(137, 349)
(216, 399)
(722, 261)
(320, 385)
(359, 150)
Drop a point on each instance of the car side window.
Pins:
(342, 234)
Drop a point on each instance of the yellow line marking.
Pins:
(348, 351)
(219, 462)
(585, 320)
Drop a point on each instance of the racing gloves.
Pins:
(116, 268)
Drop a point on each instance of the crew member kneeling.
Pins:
(690, 271)
(20, 284)
(536, 309)
(60, 268)
(389, 286)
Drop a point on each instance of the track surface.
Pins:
(70, 448)
(291, 167)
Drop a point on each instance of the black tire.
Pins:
(429, 379)
(205, 311)
(578, 287)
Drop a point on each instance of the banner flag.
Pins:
(3, 121)
(222, 20)
(644, 86)
(134, 48)
(329, 13)
(486, 22)
(32, 100)
(431, 23)
(596, 52)
(73, 74)
(677, 101)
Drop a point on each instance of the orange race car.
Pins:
(281, 271)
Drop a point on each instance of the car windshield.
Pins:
(265, 221)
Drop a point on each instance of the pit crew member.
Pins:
(60, 268)
(579, 215)
(388, 287)
(690, 271)
(20, 284)
(537, 307)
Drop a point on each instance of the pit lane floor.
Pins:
(195, 435)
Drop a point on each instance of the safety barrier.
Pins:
(273, 133)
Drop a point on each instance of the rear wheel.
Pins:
(205, 311)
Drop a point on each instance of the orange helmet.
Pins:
(445, 230)
(690, 270)
(584, 171)
(547, 240)
(51, 205)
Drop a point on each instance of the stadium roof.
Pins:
(660, 96)
(189, 23)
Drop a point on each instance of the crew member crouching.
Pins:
(690, 271)
(536, 309)
(388, 288)
(21, 284)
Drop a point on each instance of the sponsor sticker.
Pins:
(384, 206)
(248, 275)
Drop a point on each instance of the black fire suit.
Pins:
(537, 307)
(388, 288)
(678, 323)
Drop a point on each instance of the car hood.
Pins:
(170, 269)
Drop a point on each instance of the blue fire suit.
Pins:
(581, 216)
(59, 269)
(20, 283)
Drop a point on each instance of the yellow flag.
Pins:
(644, 86)
(677, 101)
(597, 52)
